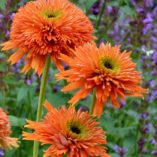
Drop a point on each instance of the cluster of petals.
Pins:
(75, 134)
(47, 27)
(106, 69)
(6, 142)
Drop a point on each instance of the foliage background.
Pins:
(132, 129)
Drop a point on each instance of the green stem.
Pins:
(87, 7)
(93, 102)
(100, 15)
(41, 100)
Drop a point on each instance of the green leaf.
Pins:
(130, 142)
(10, 79)
(106, 122)
(114, 155)
(89, 3)
(57, 99)
(22, 93)
(1, 96)
(132, 114)
(2, 67)
(2, 4)
(16, 121)
(126, 131)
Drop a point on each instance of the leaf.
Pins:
(2, 67)
(132, 114)
(130, 142)
(10, 79)
(22, 92)
(1, 96)
(114, 155)
(89, 3)
(106, 122)
(57, 99)
(2, 4)
(126, 131)
(16, 121)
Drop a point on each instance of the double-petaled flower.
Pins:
(47, 27)
(111, 73)
(75, 134)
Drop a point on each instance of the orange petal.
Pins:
(17, 56)
(73, 85)
(7, 46)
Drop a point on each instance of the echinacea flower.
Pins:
(111, 73)
(47, 27)
(6, 142)
(75, 134)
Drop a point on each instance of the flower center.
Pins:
(75, 129)
(108, 65)
(51, 15)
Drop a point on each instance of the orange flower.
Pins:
(110, 72)
(68, 132)
(6, 142)
(45, 27)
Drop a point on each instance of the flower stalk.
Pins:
(41, 100)
(100, 15)
(93, 101)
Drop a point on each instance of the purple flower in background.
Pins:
(153, 39)
(120, 150)
(1, 152)
(123, 103)
(1, 16)
(147, 28)
(28, 82)
(56, 88)
(148, 19)
(139, 10)
(153, 95)
(96, 7)
(144, 115)
(155, 30)
(83, 108)
(154, 12)
(148, 3)
(155, 118)
(154, 152)
(153, 141)
(112, 10)
(152, 83)
(141, 143)
(12, 16)
(153, 72)
(146, 128)
(154, 56)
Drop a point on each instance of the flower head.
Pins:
(68, 132)
(106, 69)
(6, 142)
(45, 27)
